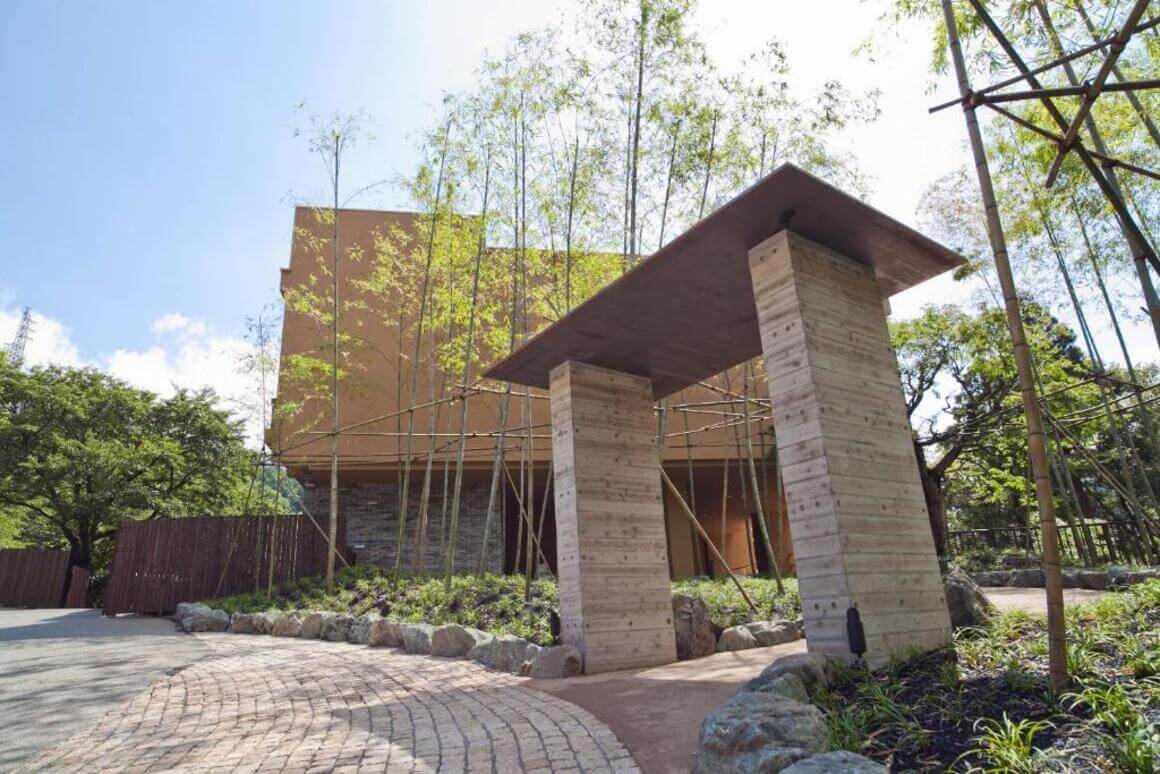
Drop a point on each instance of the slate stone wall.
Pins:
(371, 510)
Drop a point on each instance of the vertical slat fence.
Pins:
(162, 562)
(32, 577)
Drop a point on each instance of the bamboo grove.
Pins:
(570, 158)
(582, 148)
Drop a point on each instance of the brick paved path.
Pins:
(269, 704)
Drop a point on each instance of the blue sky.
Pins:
(148, 166)
(147, 154)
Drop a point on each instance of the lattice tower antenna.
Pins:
(16, 347)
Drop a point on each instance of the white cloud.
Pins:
(176, 322)
(49, 342)
(186, 353)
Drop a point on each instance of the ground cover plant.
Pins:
(983, 704)
(493, 603)
(728, 608)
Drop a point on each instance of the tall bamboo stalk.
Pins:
(569, 226)
(669, 182)
(1036, 441)
(697, 567)
(453, 532)
(708, 166)
(1145, 415)
(332, 527)
(642, 33)
(497, 462)
(404, 496)
(760, 506)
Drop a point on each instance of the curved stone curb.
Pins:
(297, 705)
(505, 653)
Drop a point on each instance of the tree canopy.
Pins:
(962, 394)
(81, 452)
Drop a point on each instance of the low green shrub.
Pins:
(493, 603)
(728, 608)
(984, 703)
(1008, 746)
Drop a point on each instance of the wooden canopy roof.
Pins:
(687, 312)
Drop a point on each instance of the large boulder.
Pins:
(183, 608)
(264, 622)
(966, 602)
(693, 627)
(505, 653)
(769, 633)
(1123, 576)
(1090, 579)
(736, 638)
(814, 670)
(758, 732)
(417, 637)
(336, 628)
(287, 624)
(839, 762)
(313, 623)
(360, 628)
(531, 652)
(993, 578)
(557, 661)
(1029, 578)
(386, 633)
(242, 623)
(455, 641)
(790, 685)
(202, 618)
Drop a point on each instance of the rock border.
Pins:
(505, 653)
(695, 633)
(1073, 577)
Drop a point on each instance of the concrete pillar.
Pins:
(857, 516)
(615, 596)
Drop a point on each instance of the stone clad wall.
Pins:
(372, 519)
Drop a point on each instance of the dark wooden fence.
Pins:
(34, 577)
(1109, 541)
(163, 562)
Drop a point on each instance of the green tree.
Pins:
(961, 391)
(81, 452)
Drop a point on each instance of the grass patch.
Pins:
(983, 703)
(493, 603)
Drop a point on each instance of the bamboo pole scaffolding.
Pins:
(1143, 253)
(1037, 446)
(1098, 45)
(697, 525)
(1092, 89)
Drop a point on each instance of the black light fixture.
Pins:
(855, 633)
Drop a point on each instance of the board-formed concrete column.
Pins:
(615, 595)
(857, 516)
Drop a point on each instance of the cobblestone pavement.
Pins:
(270, 704)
